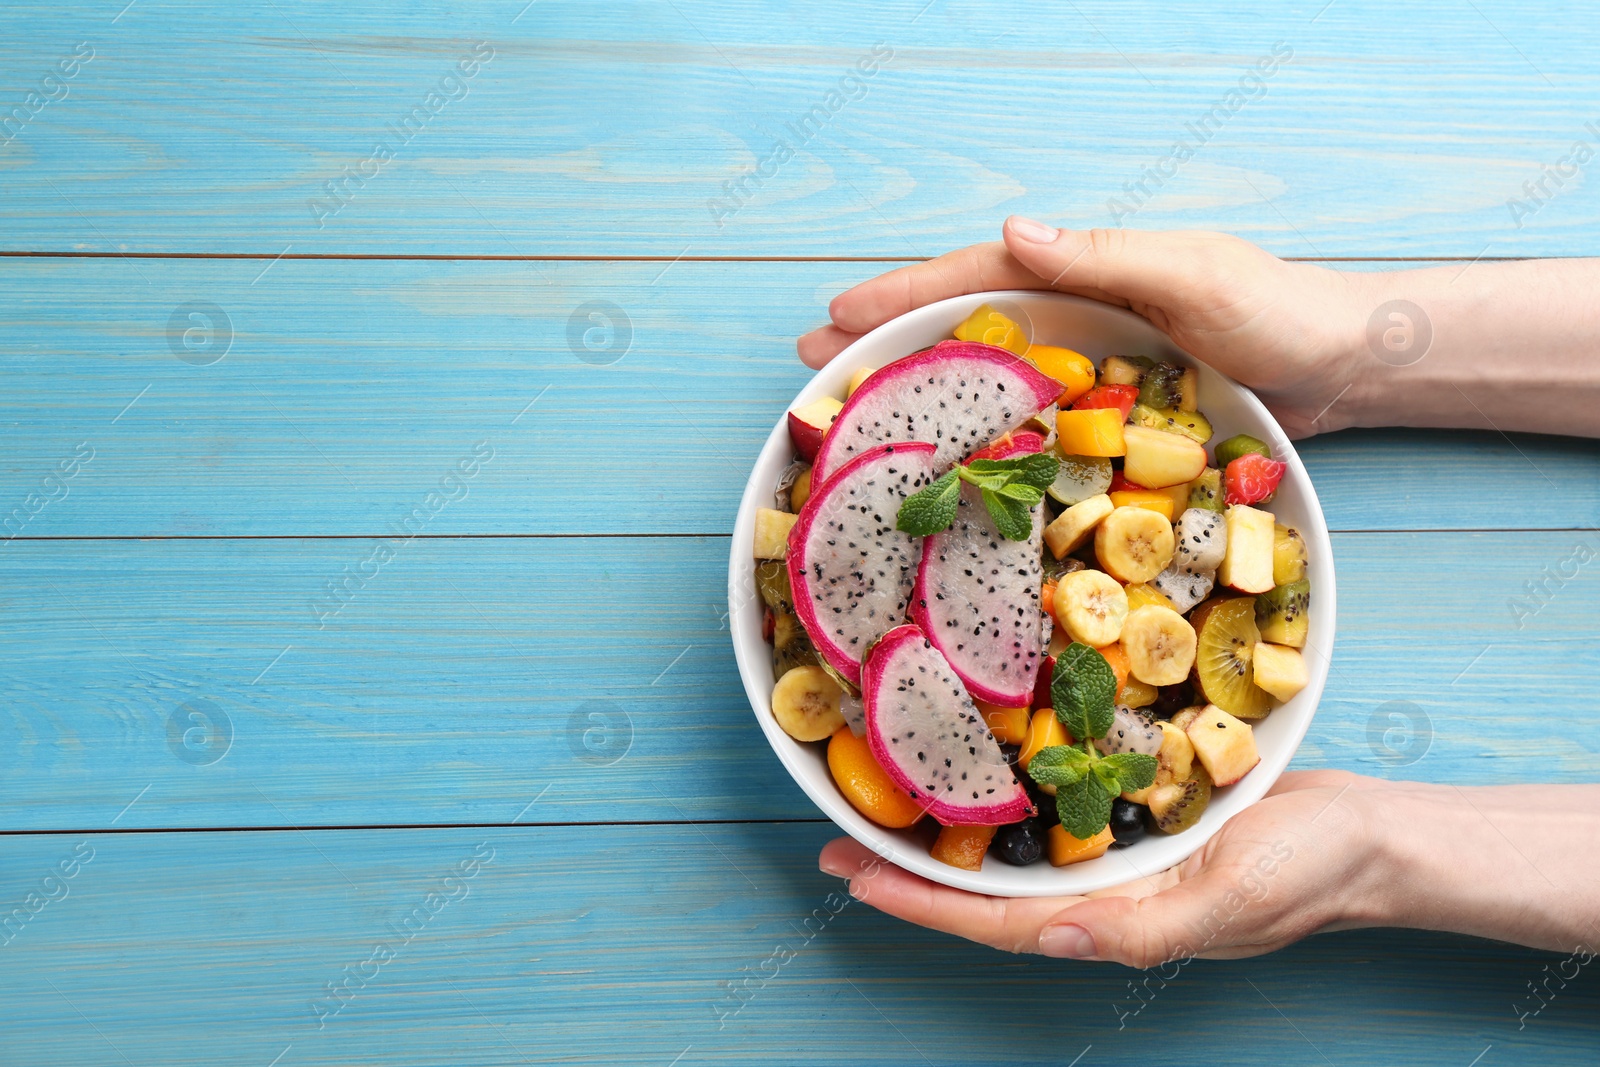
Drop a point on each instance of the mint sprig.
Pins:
(1010, 489)
(1083, 688)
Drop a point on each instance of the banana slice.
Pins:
(1134, 544)
(1202, 540)
(1072, 527)
(1090, 605)
(1160, 645)
(806, 704)
(1184, 588)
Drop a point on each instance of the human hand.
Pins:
(1287, 330)
(1297, 862)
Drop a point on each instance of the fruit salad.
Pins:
(1026, 602)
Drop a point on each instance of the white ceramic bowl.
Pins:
(1096, 330)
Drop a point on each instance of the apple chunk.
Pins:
(808, 422)
(1224, 745)
(1279, 670)
(1157, 459)
(1247, 562)
(771, 540)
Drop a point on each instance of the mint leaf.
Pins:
(1083, 688)
(1038, 470)
(985, 481)
(1084, 808)
(1012, 518)
(1059, 765)
(1028, 494)
(1133, 770)
(931, 510)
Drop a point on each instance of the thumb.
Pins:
(1118, 266)
(1202, 916)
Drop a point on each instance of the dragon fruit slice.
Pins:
(850, 569)
(960, 395)
(926, 732)
(977, 595)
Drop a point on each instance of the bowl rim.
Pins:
(1075, 879)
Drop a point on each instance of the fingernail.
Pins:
(833, 867)
(1029, 230)
(1066, 942)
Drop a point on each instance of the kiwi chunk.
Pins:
(1161, 386)
(1282, 614)
(1224, 658)
(791, 646)
(1288, 555)
(772, 582)
(1241, 444)
(1189, 390)
(1190, 424)
(1056, 569)
(1176, 806)
(1124, 370)
(1206, 491)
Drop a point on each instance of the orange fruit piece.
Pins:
(963, 846)
(1045, 730)
(1074, 371)
(1009, 725)
(1118, 660)
(1091, 432)
(866, 785)
(1064, 848)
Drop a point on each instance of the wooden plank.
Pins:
(349, 390)
(456, 685)
(614, 129)
(636, 945)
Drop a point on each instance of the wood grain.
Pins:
(349, 390)
(610, 129)
(456, 685)
(620, 945)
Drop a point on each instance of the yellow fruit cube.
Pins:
(1157, 500)
(1225, 746)
(988, 326)
(1092, 432)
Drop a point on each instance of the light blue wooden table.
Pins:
(354, 595)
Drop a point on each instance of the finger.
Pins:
(1177, 923)
(1008, 923)
(822, 344)
(966, 270)
(1128, 265)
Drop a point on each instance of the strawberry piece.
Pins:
(1122, 397)
(1010, 445)
(1120, 484)
(1253, 478)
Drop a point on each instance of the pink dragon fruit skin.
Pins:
(977, 595)
(958, 395)
(851, 570)
(924, 731)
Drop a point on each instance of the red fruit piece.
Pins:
(1253, 478)
(1120, 484)
(1041, 688)
(1121, 397)
(1010, 445)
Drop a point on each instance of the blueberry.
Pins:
(1127, 822)
(1011, 754)
(1171, 699)
(1045, 803)
(1020, 843)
